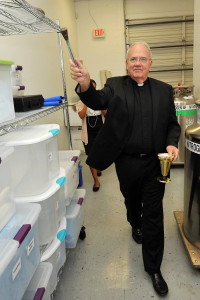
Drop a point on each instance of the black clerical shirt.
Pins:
(141, 137)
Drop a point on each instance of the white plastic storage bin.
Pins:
(69, 160)
(53, 210)
(7, 111)
(39, 287)
(75, 216)
(7, 204)
(36, 158)
(19, 251)
(56, 255)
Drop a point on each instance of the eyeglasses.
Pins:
(142, 60)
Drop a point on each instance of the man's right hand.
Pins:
(80, 74)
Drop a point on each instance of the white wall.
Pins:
(105, 53)
(109, 53)
(140, 9)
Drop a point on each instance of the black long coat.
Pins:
(117, 97)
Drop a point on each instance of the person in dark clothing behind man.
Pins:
(92, 121)
(140, 123)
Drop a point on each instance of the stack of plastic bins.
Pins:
(53, 210)
(19, 251)
(75, 217)
(7, 204)
(56, 255)
(38, 177)
(69, 160)
(36, 158)
(52, 244)
(39, 287)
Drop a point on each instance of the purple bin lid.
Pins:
(80, 201)
(39, 294)
(22, 233)
(74, 158)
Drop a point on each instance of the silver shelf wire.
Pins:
(19, 17)
(25, 118)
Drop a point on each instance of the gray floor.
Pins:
(108, 263)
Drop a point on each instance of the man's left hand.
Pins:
(173, 150)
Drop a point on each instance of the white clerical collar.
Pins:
(140, 84)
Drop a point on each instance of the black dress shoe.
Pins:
(96, 188)
(137, 235)
(99, 173)
(159, 284)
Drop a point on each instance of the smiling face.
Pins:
(139, 62)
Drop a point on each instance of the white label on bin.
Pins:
(50, 156)
(16, 269)
(30, 247)
(193, 147)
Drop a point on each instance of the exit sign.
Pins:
(98, 33)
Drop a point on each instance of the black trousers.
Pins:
(143, 199)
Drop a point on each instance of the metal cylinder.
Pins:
(186, 115)
(192, 182)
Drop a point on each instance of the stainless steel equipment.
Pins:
(186, 114)
(192, 182)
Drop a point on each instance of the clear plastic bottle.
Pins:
(16, 80)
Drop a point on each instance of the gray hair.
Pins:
(136, 43)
